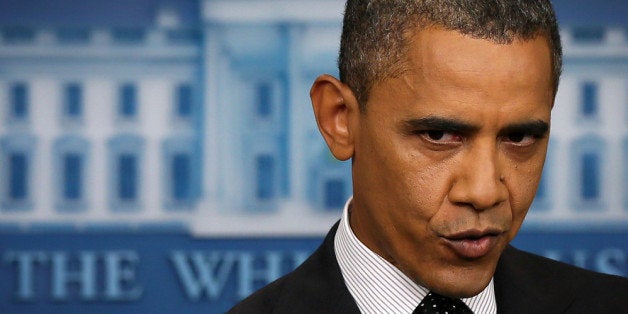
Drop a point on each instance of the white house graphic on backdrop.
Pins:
(207, 126)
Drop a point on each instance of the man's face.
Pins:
(448, 156)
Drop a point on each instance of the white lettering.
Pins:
(84, 276)
(203, 273)
(120, 273)
(25, 263)
(112, 271)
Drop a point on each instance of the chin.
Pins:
(468, 290)
(461, 282)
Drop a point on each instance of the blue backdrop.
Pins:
(160, 156)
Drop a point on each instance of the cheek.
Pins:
(522, 187)
(393, 173)
(426, 184)
(430, 184)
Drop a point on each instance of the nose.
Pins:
(479, 182)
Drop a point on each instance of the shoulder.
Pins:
(316, 286)
(539, 266)
(549, 280)
(264, 300)
(285, 291)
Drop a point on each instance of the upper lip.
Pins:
(472, 234)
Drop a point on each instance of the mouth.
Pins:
(472, 244)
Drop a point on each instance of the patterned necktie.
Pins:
(434, 303)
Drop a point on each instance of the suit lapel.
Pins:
(320, 279)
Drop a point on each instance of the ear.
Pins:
(336, 110)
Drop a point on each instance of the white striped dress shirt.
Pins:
(379, 287)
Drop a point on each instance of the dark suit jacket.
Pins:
(524, 283)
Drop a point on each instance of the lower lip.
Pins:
(472, 248)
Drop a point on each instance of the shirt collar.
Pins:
(379, 287)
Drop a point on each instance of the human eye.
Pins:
(521, 139)
(438, 133)
(525, 134)
(440, 136)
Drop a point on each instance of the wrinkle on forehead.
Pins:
(434, 58)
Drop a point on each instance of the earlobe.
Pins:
(336, 110)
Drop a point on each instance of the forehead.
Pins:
(440, 54)
(446, 72)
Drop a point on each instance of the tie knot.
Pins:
(434, 303)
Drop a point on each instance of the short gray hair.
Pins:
(373, 45)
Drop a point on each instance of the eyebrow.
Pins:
(535, 127)
(439, 123)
